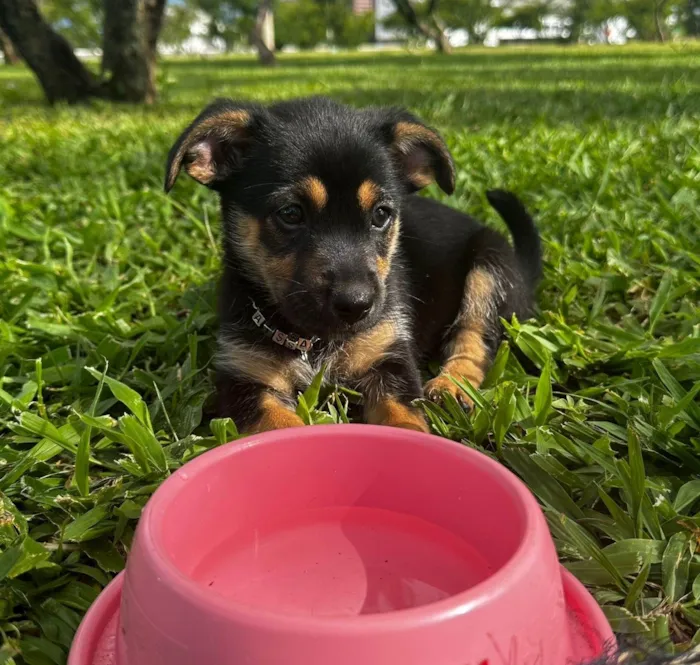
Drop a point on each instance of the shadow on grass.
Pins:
(481, 87)
(485, 105)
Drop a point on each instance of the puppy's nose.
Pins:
(352, 303)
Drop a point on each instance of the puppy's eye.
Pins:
(381, 217)
(291, 215)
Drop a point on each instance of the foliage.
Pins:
(590, 15)
(107, 314)
(299, 24)
(229, 20)
(690, 16)
(348, 30)
(79, 21)
(177, 26)
(474, 16)
(641, 15)
(515, 14)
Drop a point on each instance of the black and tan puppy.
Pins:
(331, 260)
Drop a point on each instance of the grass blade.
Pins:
(658, 304)
(675, 566)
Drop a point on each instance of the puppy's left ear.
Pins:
(421, 153)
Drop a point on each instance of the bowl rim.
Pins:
(495, 586)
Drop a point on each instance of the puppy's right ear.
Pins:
(215, 145)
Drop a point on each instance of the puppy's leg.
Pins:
(494, 288)
(390, 387)
(381, 364)
(255, 407)
(255, 387)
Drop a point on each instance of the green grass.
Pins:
(106, 283)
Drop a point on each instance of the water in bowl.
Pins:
(340, 562)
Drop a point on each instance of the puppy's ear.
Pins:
(420, 152)
(215, 145)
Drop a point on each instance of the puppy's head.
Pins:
(311, 196)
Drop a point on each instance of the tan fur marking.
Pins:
(422, 178)
(275, 415)
(367, 349)
(411, 132)
(384, 262)
(249, 234)
(201, 169)
(368, 195)
(280, 268)
(249, 241)
(467, 353)
(392, 413)
(316, 191)
(229, 121)
(479, 291)
(418, 164)
(256, 365)
(275, 271)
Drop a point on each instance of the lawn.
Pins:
(107, 321)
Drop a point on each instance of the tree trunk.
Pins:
(131, 31)
(125, 58)
(263, 36)
(440, 36)
(155, 14)
(432, 27)
(61, 75)
(658, 20)
(692, 18)
(9, 54)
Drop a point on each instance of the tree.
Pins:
(474, 16)
(79, 21)
(263, 32)
(236, 20)
(525, 15)
(48, 54)
(9, 55)
(584, 16)
(649, 18)
(424, 18)
(131, 29)
(177, 25)
(301, 24)
(129, 37)
(691, 17)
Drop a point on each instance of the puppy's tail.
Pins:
(528, 248)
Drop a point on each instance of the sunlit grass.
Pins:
(594, 404)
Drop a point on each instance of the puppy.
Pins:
(332, 261)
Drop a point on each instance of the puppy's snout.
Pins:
(352, 302)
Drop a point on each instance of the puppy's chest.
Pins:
(337, 362)
(287, 370)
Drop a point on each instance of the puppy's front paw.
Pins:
(274, 415)
(392, 413)
(436, 389)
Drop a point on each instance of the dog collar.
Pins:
(288, 340)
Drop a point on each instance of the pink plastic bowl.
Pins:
(342, 545)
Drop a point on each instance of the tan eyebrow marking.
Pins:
(368, 195)
(316, 191)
